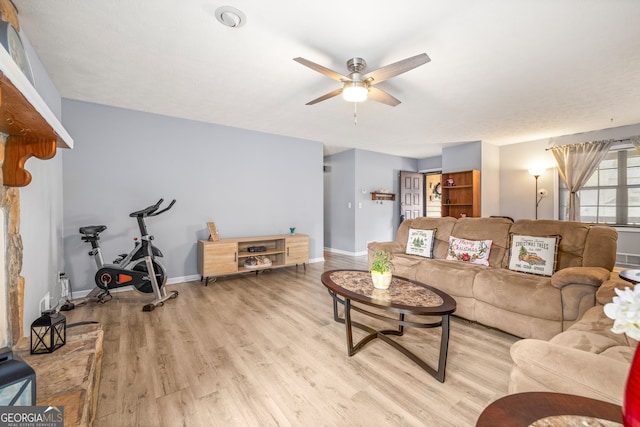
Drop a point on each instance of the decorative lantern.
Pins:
(17, 381)
(48, 332)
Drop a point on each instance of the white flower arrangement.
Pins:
(625, 311)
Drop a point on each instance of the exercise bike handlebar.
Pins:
(165, 209)
(151, 210)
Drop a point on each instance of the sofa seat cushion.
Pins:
(620, 353)
(566, 370)
(453, 277)
(526, 294)
(593, 334)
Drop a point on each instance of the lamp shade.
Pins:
(536, 171)
(355, 92)
(48, 332)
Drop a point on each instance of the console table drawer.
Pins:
(215, 258)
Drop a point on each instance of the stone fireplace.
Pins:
(11, 283)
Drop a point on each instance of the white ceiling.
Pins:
(502, 71)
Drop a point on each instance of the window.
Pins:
(612, 193)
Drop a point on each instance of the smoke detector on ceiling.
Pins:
(230, 16)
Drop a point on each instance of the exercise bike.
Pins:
(138, 269)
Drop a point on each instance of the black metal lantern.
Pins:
(48, 332)
(17, 381)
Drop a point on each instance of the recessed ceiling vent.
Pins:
(230, 16)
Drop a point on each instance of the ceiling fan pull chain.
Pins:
(355, 113)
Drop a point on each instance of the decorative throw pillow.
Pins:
(472, 251)
(420, 242)
(533, 254)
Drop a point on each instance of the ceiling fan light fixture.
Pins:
(355, 92)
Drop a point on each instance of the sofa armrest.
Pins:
(568, 370)
(606, 292)
(592, 276)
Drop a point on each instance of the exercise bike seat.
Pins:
(92, 230)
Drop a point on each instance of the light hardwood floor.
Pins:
(263, 350)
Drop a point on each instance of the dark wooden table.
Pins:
(632, 276)
(522, 409)
(404, 297)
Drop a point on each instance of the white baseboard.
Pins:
(170, 281)
(84, 292)
(182, 279)
(341, 252)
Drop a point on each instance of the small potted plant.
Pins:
(381, 270)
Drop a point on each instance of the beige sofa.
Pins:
(525, 305)
(587, 359)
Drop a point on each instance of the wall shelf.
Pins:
(383, 196)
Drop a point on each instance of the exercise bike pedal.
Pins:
(67, 306)
(104, 297)
(119, 258)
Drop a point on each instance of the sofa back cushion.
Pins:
(494, 229)
(581, 244)
(443, 227)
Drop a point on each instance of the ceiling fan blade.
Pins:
(323, 70)
(325, 97)
(392, 70)
(382, 96)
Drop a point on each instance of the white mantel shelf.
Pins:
(32, 128)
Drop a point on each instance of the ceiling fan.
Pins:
(358, 86)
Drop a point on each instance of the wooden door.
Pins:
(433, 196)
(411, 195)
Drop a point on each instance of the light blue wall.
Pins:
(248, 183)
(462, 157)
(430, 163)
(378, 220)
(339, 199)
(351, 218)
(41, 211)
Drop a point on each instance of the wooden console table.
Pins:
(227, 256)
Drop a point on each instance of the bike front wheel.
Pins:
(146, 287)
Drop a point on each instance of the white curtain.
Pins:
(576, 164)
(635, 140)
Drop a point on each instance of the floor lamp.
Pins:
(536, 172)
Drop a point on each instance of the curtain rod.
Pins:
(566, 145)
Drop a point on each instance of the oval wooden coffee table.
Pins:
(632, 276)
(404, 297)
(524, 409)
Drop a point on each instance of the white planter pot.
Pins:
(381, 280)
